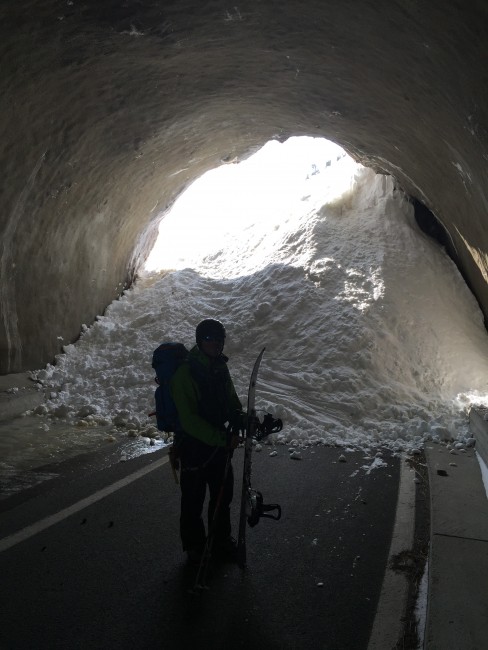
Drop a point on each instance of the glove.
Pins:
(235, 439)
(237, 423)
(232, 440)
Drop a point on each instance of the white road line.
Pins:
(39, 526)
(390, 612)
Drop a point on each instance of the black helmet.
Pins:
(210, 327)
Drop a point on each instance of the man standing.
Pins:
(206, 400)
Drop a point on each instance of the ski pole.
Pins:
(201, 577)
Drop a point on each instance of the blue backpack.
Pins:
(166, 359)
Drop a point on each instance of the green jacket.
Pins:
(205, 397)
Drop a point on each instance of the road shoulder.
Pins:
(457, 615)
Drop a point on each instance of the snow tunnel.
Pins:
(110, 110)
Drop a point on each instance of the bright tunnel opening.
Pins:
(246, 207)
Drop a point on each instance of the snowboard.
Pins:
(246, 474)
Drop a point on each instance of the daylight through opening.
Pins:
(251, 206)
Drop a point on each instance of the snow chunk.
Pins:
(376, 464)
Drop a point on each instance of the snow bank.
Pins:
(372, 337)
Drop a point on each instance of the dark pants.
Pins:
(202, 465)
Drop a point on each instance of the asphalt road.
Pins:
(112, 574)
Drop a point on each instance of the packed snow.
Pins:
(372, 337)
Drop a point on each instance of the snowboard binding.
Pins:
(269, 425)
(258, 509)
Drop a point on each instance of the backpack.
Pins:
(166, 359)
